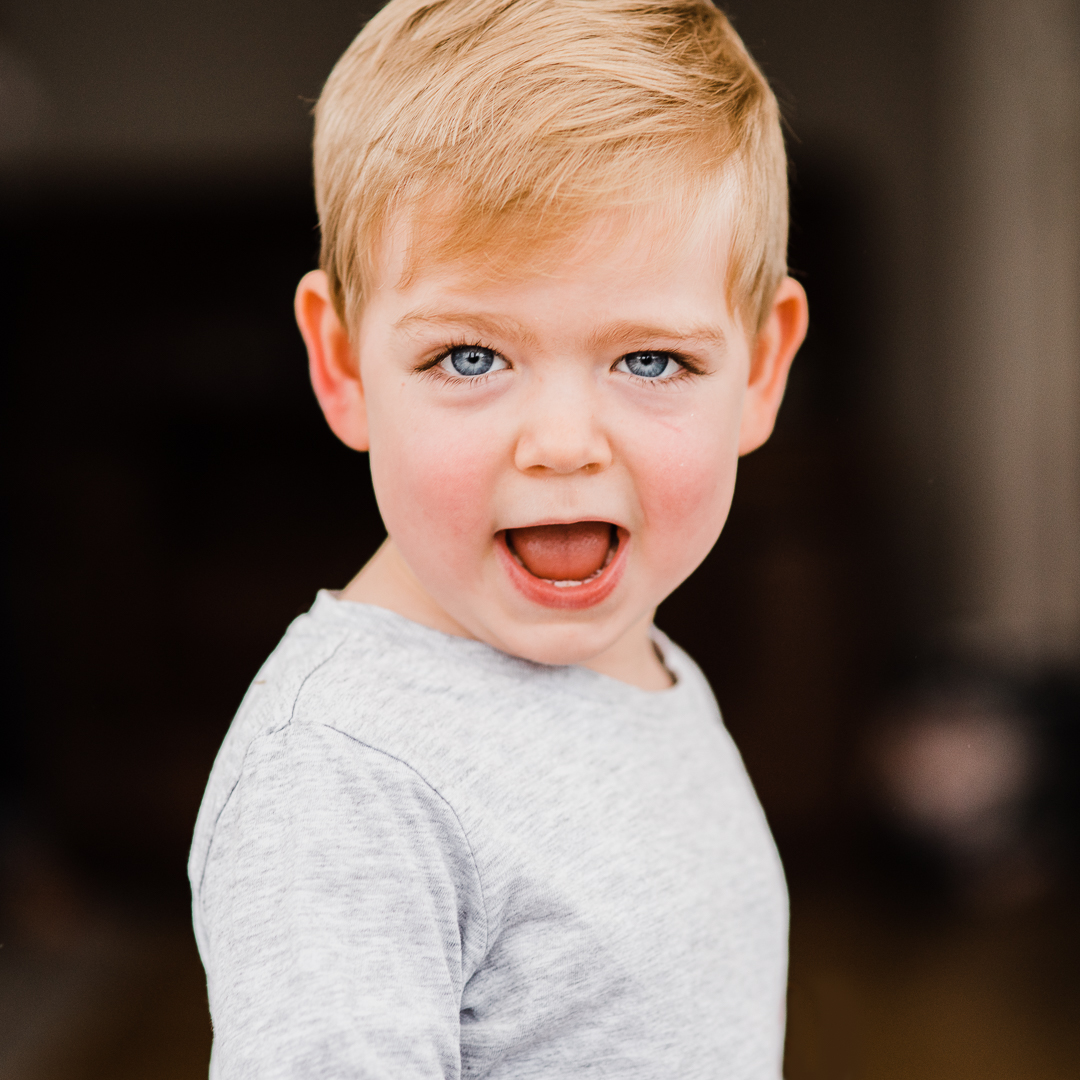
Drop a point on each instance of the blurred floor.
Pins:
(95, 982)
(122, 1003)
(877, 993)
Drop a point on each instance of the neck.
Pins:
(387, 582)
(634, 659)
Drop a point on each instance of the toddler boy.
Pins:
(476, 815)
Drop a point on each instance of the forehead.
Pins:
(682, 235)
(623, 278)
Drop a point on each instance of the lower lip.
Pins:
(565, 597)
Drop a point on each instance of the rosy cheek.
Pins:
(434, 484)
(685, 478)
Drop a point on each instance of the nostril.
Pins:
(561, 463)
(562, 445)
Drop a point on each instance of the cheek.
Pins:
(433, 481)
(685, 479)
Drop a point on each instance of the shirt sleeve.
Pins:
(338, 908)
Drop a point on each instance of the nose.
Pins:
(561, 432)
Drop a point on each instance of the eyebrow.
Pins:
(489, 325)
(618, 333)
(605, 336)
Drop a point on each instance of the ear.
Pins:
(773, 352)
(335, 371)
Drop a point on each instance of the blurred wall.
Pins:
(1006, 352)
(197, 88)
(962, 120)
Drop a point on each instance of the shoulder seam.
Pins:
(446, 802)
(262, 735)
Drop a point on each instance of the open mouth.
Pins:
(571, 565)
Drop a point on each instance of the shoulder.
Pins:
(310, 791)
(311, 812)
(309, 643)
(361, 670)
(325, 853)
(354, 703)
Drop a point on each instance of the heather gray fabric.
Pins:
(418, 857)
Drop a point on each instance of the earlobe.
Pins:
(774, 351)
(335, 373)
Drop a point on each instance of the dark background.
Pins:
(172, 498)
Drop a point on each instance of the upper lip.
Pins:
(578, 518)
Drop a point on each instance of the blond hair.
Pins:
(504, 126)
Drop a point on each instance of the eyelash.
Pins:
(431, 369)
(689, 367)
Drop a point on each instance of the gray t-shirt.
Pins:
(418, 857)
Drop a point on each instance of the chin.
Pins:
(558, 644)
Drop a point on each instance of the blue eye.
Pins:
(471, 360)
(649, 365)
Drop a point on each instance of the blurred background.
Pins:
(891, 620)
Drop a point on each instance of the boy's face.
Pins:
(617, 390)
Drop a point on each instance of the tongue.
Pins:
(562, 552)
